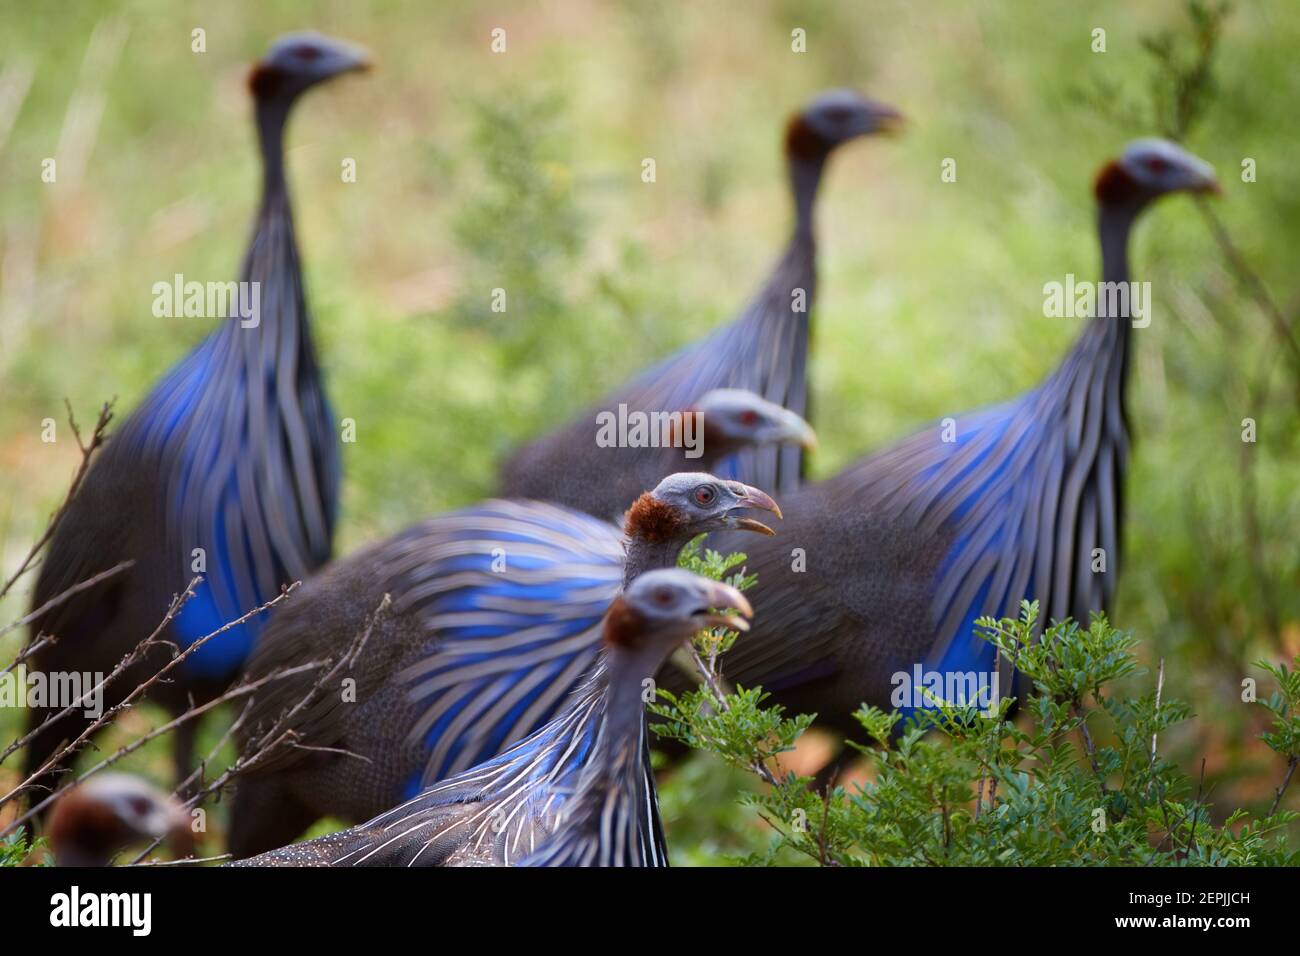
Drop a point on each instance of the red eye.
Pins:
(139, 806)
(705, 494)
(749, 417)
(306, 52)
(1156, 165)
(664, 596)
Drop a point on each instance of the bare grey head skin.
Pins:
(829, 120)
(1149, 168)
(1145, 171)
(736, 418)
(294, 64)
(109, 812)
(657, 612)
(298, 61)
(682, 506)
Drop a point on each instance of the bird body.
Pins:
(764, 351)
(228, 468)
(577, 792)
(495, 619)
(908, 547)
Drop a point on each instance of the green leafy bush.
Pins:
(952, 785)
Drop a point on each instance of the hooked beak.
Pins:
(751, 497)
(795, 430)
(889, 121)
(1204, 179)
(725, 596)
(171, 822)
(360, 60)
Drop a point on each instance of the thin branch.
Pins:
(1160, 686)
(188, 861)
(134, 745)
(55, 602)
(281, 731)
(257, 748)
(1249, 278)
(140, 690)
(1286, 782)
(1089, 747)
(87, 449)
(720, 701)
(127, 661)
(42, 641)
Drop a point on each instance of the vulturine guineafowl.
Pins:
(495, 619)
(902, 551)
(228, 468)
(577, 792)
(764, 350)
(95, 820)
(718, 425)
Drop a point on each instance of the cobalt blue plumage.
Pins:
(909, 546)
(227, 469)
(577, 792)
(478, 625)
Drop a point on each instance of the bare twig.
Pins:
(138, 692)
(41, 642)
(1249, 278)
(55, 602)
(1160, 686)
(1089, 747)
(87, 449)
(280, 734)
(188, 861)
(710, 678)
(135, 744)
(127, 661)
(1286, 782)
(260, 747)
(823, 856)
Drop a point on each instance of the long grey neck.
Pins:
(624, 706)
(1102, 347)
(805, 177)
(643, 555)
(271, 267)
(1114, 225)
(272, 114)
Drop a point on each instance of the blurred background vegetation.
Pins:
(522, 171)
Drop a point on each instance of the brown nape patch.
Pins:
(623, 625)
(801, 142)
(650, 519)
(1113, 186)
(265, 81)
(84, 826)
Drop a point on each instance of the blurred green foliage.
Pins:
(1079, 779)
(522, 171)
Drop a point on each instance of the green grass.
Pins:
(930, 294)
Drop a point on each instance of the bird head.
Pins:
(298, 61)
(835, 117)
(734, 418)
(1150, 168)
(109, 812)
(686, 504)
(660, 609)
